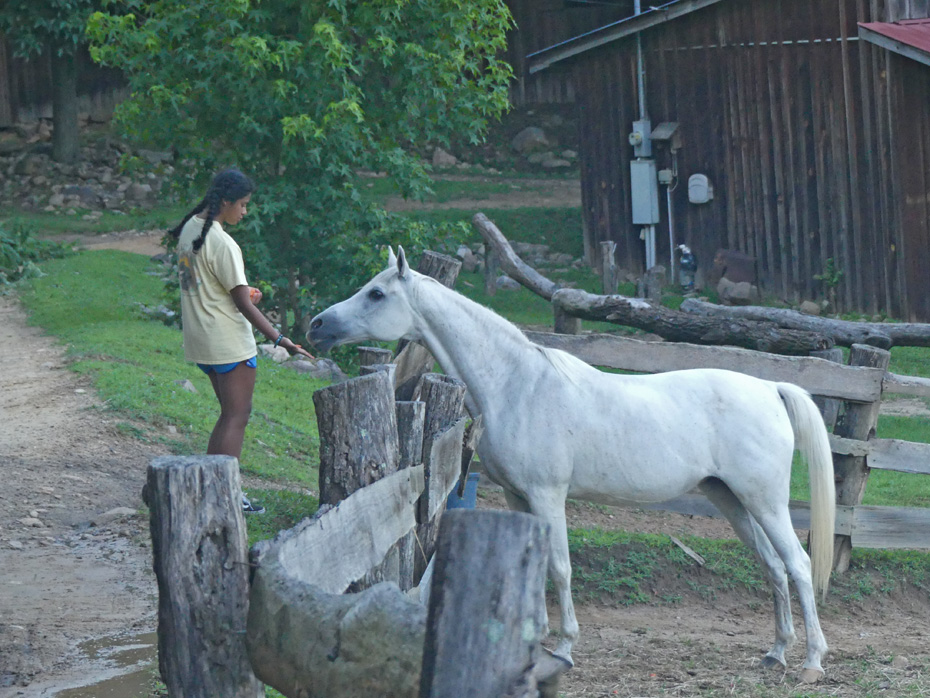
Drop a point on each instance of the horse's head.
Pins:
(379, 311)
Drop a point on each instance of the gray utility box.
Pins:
(644, 186)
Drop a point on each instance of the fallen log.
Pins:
(883, 335)
(510, 261)
(677, 326)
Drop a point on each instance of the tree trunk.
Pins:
(487, 610)
(685, 327)
(844, 333)
(65, 134)
(200, 554)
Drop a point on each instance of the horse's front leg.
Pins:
(552, 509)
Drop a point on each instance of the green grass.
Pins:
(90, 302)
(47, 224)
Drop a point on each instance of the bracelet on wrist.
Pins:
(278, 340)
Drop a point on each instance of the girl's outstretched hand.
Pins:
(294, 348)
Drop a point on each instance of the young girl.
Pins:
(218, 309)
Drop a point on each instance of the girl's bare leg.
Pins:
(234, 391)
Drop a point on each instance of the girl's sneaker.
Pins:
(251, 507)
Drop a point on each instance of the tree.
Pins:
(304, 95)
(55, 27)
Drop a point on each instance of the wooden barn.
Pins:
(796, 132)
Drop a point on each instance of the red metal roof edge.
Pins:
(910, 32)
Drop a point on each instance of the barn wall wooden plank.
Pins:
(891, 528)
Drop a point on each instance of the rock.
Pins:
(29, 166)
(56, 200)
(555, 164)
(85, 194)
(325, 369)
(569, 154)
(112, 515)
(443, 159)
(732, 293)
(15, 544)
(32, 522)
(539, 158)
(505, 283)
(900, 662)
(155, 157)
(277, 354)
(138, 191)
(530, 140)
(810, 308)
(186, 385)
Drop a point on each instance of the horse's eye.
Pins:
(375, 294)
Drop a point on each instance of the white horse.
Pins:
(556, 427)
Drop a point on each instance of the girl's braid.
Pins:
(228, 185)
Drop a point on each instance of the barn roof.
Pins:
(654, 15)
(910, 38)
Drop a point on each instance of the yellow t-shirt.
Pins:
(215, 332)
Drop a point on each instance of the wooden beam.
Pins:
(338, 547)
(817, 376)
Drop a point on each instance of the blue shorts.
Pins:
(226, 368)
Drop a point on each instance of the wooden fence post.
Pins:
(829, 407)
(358, 446)
(413, 359)
(410, 420)
(444, 397)
(369, 356)
(487, 609)
(857, 422)
(358, 434)
(610, 280)
(200, 554)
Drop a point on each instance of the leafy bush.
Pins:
(19, 253)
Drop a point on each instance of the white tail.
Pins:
(812, 441)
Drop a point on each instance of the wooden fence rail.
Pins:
(862, 526)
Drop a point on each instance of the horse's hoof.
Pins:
(564, 653)
(811, 675)
(770, 662)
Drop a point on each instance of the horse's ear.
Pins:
(402, 266)
(392, 258)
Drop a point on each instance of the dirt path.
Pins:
(74, 552)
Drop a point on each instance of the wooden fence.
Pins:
(856, 449)
(309, 612)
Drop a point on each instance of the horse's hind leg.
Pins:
(778, 528)
(753, 536)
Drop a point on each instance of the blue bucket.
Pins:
(469, 499)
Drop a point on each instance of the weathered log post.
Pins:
(410, 420)
(857, 422)
(413, 359)
(358, 444)
(829, 407)
(487, 609)
(369, 356)
(444, 397)
(200, 551)
(610, 280)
